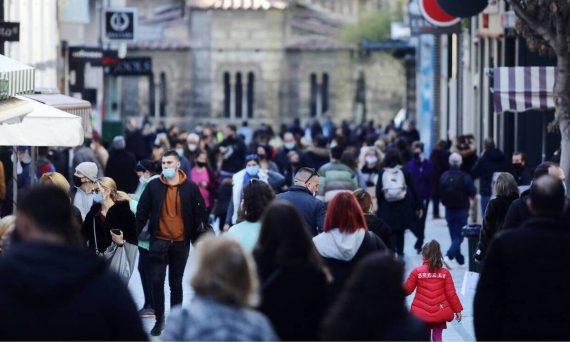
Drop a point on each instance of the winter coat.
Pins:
(342, 251)
(440, 162)
(192, 207)
(523, 176)
(294, 298)
(57, 293)
(492, 222)
(282, 158)
(311, 209)
(206, 319)
(436, 300)
(422, 175)
(491, 161)
(522, 293)
(335, 177)
(379, 227)
(96, 230)
(315, 157)
(237, 193)
(469, 190)
(399, 215)
(121, 167)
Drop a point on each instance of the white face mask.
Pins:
(371, 160)
(192, 147)
(289, 145)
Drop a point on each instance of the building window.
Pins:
(250, 94)
(227, 95)
(163, 99)
(319, 94)
(239, 95)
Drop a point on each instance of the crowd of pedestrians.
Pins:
(297, 235)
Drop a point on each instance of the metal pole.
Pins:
(14, 177)
(1, 20)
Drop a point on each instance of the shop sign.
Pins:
(120, 24)
(9, 32)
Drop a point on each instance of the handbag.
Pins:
(203, 228)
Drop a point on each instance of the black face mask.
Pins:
(77, 181)
(201, 164)
(517, 166)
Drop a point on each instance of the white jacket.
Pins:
(237, 190)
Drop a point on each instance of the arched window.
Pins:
(313, 95)
(163, 99)
(227, 95)
(239, 95)
(325, 94)
(250, 94)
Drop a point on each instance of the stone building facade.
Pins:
(261, 60)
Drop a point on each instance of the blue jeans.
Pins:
(484, 203)
(456, 220)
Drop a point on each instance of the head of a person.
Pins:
(225, 272)
(431, 252)
(441, 145)
(257, 195)
(85, 173)
(364, 200)
(170, 164)
(401, 144)
(506, 186)
(519, 159)
(7, 225)
(410, 125)
(45, 215)
(336, 152)
(230, 131)
(145, 169)
(289, 140)
(252, 164)
(294, 157)
(392, 158)
(373, 293)
(344, 213)
(548, 168)
(119, 143)
(193, 142)
(488, 144)
(309, 178)
(263, 152)
(455, 160)
(56, 179)
(283, 239)
(206, 133)
(321, 141)
(349, 159)
(370, 155)
(179, 148)
(107, 189)
(547, 196)
(417, 148)
(202, 158)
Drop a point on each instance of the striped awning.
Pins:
(15, 78)
(519, 89)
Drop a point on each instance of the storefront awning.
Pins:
(70, 105)
(519, 89)
(15, 78)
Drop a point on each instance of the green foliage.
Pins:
(375, 25)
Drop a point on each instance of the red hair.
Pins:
(344, 213)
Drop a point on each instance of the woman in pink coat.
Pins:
(436, 301)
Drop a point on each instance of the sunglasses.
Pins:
(313, 174)
(254, 181)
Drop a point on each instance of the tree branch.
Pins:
(532, 23)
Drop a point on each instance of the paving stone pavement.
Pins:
(435, 229)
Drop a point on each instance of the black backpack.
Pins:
(452, 190)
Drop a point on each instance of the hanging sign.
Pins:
(120, 24)
(435, 15)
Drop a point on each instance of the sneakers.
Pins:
(158, 327)
(447, 262)
(145, 313)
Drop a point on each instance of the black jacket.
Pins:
(121, 167)
(518, 212)
(235, 156)
(491, 161)
(294, 298)
(119, 216)
(311, 209)
(523, 290)
(315, 157)
(379, 227)
(193, 209)
(493, 222)
(282, 158)
(523, 176)
(51, 292)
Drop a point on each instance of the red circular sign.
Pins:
(433, 13)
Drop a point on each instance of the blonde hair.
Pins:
(109, 184)
(225, 272)
(7, 223)
(506, 186)
(56, 179)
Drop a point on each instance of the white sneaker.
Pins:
(447, 262)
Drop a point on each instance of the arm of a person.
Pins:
(230, 212)
(321, 212)
(411, 283)
(488, 316)
(379, 188)
(451, 294)
(470, 185)
(143, 209)
(512, 219)
(2, 182)
(416, 202)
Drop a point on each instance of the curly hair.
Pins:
(257, 195)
